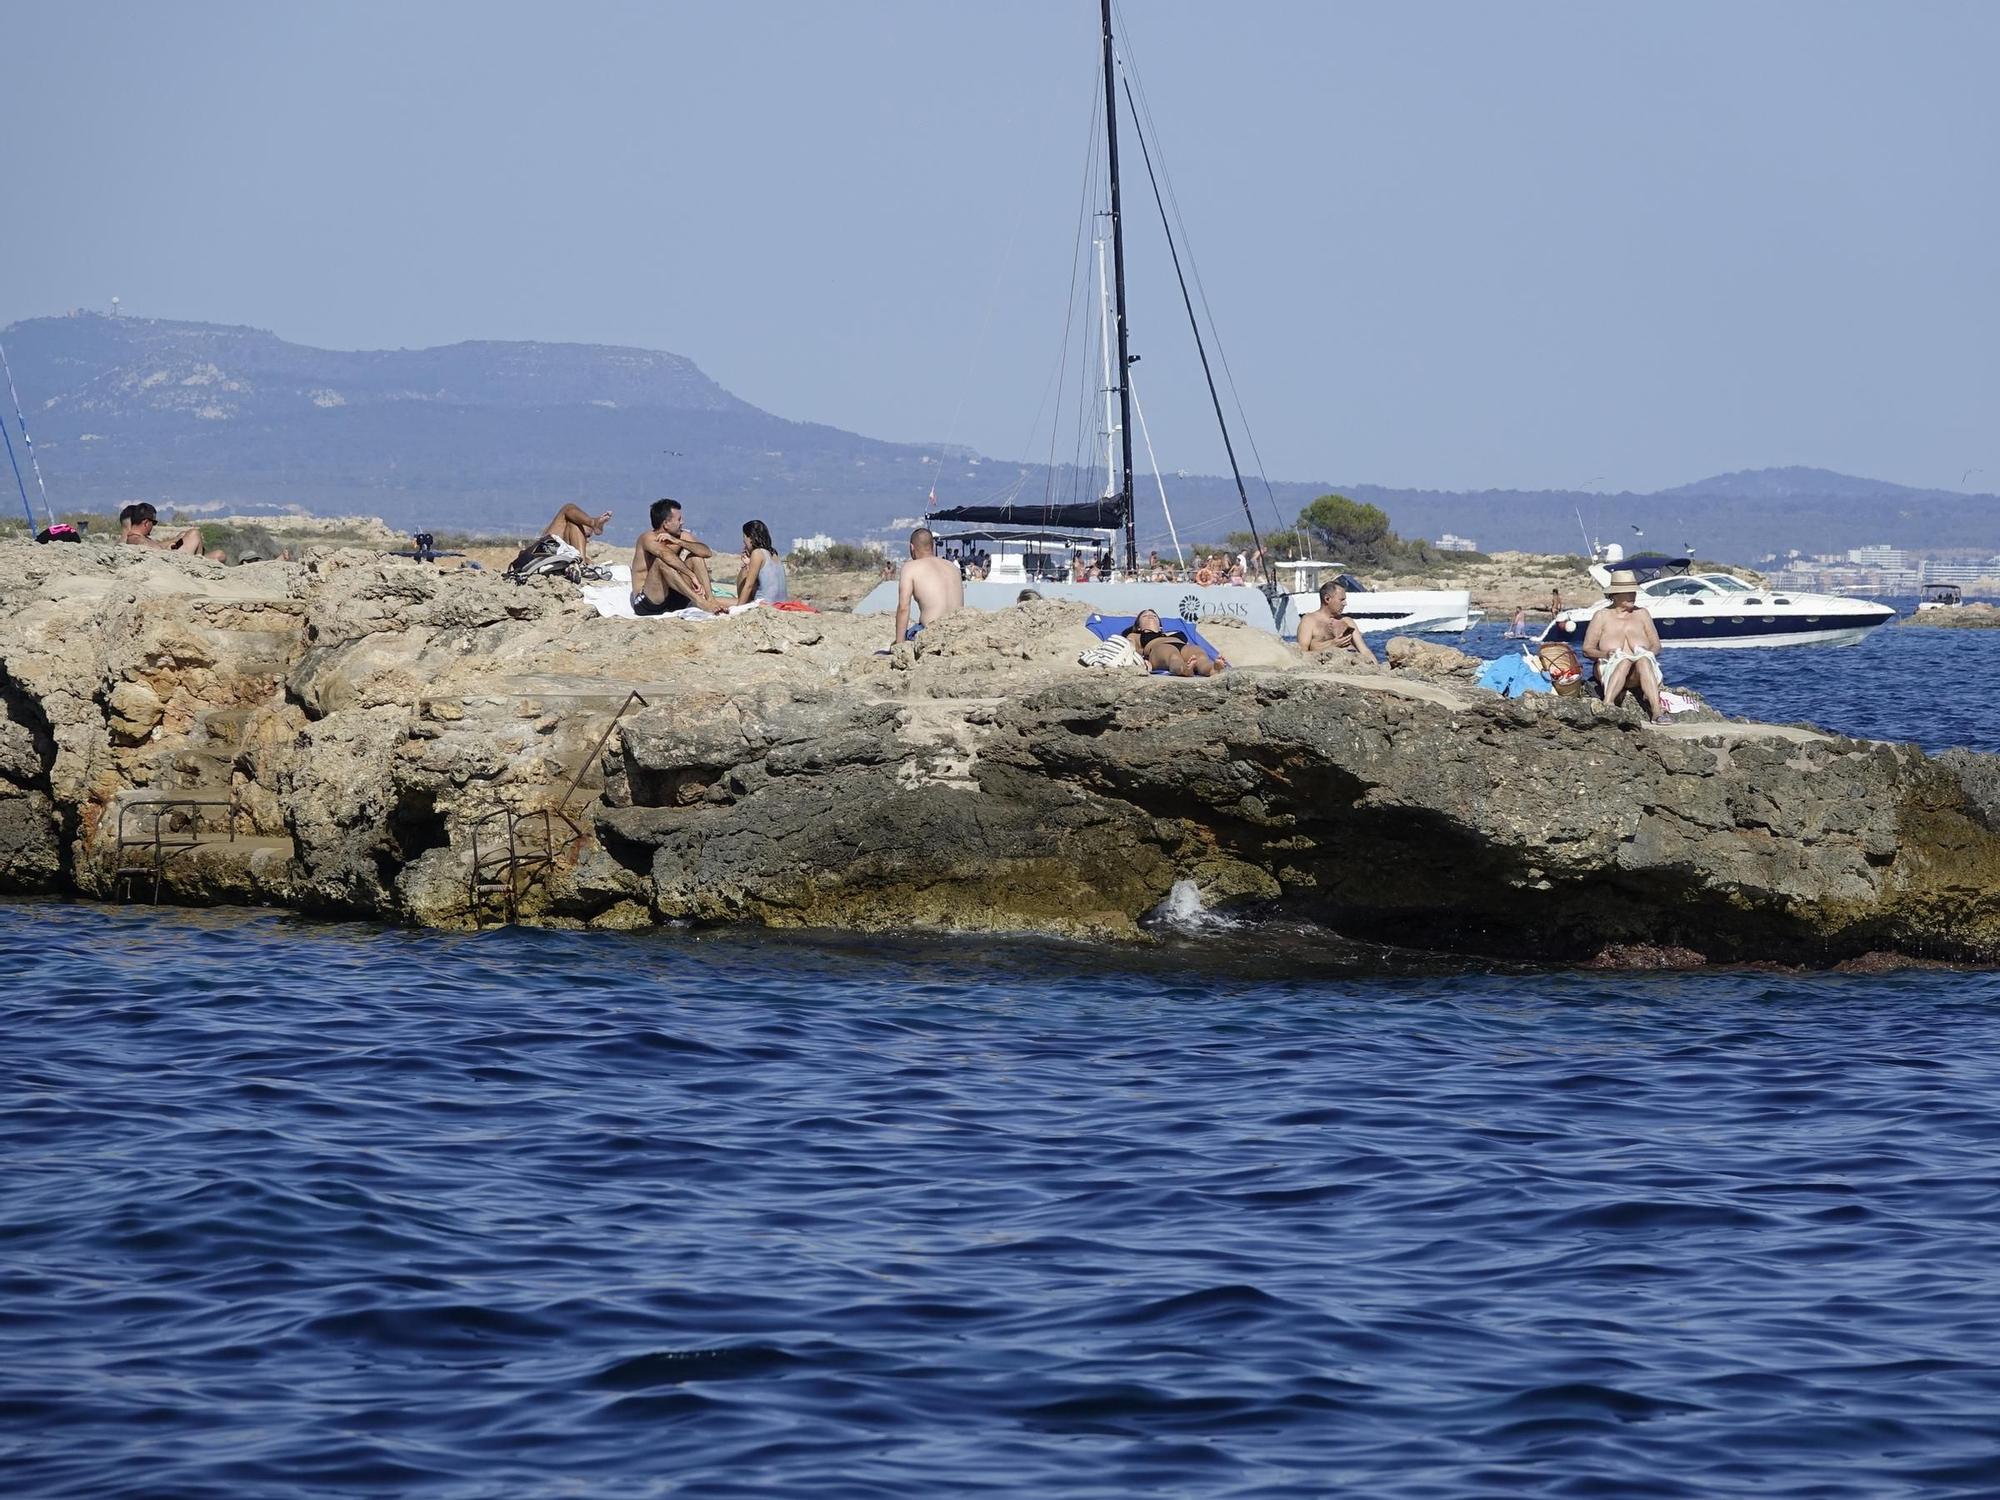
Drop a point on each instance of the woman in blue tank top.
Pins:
(762, 576)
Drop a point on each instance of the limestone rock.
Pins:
(1409, 653)
(384, 734)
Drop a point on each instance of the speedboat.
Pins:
(1720, 610)
(1373, 611)
(1940, 596)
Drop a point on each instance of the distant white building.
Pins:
(1881, 555)
(820, 542)
(1452, 542)
(1960, 570)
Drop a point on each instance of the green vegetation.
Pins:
(465, 541)
(1347, 531)
(841, 557)
(243, 543)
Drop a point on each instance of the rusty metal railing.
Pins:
(526, 846)
(155, 844)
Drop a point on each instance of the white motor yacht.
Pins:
(1374, 611)
(1720, 611)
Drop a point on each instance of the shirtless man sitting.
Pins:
(928, 580)
(574, 527)
(1167, 650)
(139, 521)
(1328, 628)
(670, 568)
(1625, 645)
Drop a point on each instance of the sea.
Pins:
(1914, 684)
(295, 1209)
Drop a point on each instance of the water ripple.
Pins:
(300, 1210)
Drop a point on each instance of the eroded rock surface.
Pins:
(384, 735)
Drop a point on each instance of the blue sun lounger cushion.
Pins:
(1104, 627)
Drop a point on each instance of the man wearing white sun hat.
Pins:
(1625, 646)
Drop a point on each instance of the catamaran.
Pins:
(1036, 545)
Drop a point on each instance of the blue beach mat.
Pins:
(1511, 676)
(1108, 627)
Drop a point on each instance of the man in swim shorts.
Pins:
(670, 568)
(1165, 650)
(1625, 645)
(1328, 628)
(929, 582)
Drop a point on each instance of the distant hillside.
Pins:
(1741, 516)
(471, 436)
(493, 436)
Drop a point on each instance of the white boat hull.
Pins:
(1732, 632)
(1406, 611)
(1188, 602)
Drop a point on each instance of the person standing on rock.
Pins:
(139, 521)
(1625, 645)
(670, 568)
(1328, 628)
(930, 582)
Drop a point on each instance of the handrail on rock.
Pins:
(506, 871)
(162, 844)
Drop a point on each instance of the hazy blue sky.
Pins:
(1447, 244)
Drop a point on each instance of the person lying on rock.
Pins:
(574, 527)
(929, 582)
(1625, 645)
(139, 521)
(1167, 650)
(670, 568)
(1328, 628)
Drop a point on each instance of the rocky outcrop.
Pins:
(385, 736)
(1956, 617)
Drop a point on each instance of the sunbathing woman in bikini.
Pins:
(1167, 650)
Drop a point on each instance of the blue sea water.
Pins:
(1907, 683)
(296, 1210)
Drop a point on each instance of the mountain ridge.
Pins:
(493, 434)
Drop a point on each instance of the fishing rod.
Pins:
(33, 462)
(19, 483)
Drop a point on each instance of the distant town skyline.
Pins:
(1544, 245)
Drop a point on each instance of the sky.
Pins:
(1445, 245)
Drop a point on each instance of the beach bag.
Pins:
(547, 557)
(1116, 652)
(1565, 672)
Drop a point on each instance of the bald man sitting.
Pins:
(930, 582)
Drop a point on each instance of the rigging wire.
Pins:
(1143, 108)
(1270, 576)
(1069, 306)
(1180, 558)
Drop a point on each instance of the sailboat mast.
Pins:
(1110, 390)
(1118, 281)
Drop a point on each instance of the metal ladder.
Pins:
(145, 850)
(509, 865)
(506, 872)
